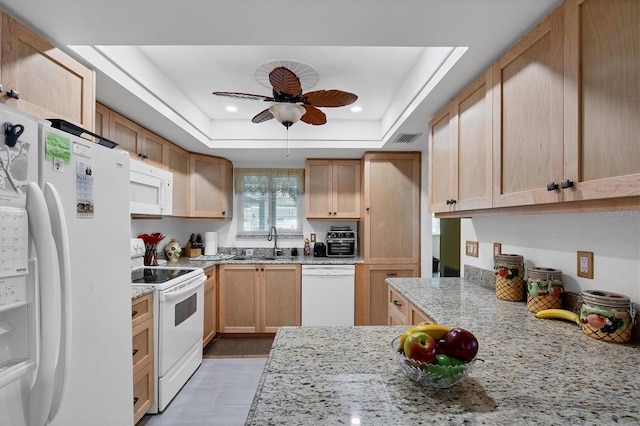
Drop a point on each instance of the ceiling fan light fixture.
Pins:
(287, 113)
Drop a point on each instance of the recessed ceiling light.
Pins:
(231, 109)
(356, 109)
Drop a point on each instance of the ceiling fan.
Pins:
(291, 104)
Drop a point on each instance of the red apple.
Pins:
(460, 343)
(420, 346)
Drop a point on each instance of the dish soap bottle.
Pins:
(307, 248)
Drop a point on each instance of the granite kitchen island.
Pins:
(535, 371)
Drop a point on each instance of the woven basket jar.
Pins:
(606, 316)
(509, 277)
(544, 289)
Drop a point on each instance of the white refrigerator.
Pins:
(65, 294)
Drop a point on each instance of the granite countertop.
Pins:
(303, 260)
(535, 371)
(140, 290)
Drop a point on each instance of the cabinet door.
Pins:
(473, 146)
(101, 126)
(527, 116)
(441, 160)
(211, 183)
(378, 289)
(602, 98)
(177, 161)
(318, 189)
(346, 189)
(49, 83)
(126, 133)
(209, 305)
(416, 316)
(239, 299)
(398, 308)
(392, 208)
(280, 296)
(153, 147)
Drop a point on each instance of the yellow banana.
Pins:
(559, 314)
(436, 331)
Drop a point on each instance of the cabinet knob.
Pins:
(135, 351)
(14, 94)
(224, 213)
(134, 313)
(135, 400)
(552, 186)
(566, 183)
(367, 209)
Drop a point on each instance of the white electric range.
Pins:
(178, 303)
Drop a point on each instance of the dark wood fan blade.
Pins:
(263, 116)
(313, 116)
(285, 82)
(329, 98)
(244, 96)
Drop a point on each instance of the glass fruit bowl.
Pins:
(432, 375)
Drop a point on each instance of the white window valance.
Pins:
(270, 181)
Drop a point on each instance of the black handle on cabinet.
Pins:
(13, 94)
(144, 156)
(224, 213)
(367, 209)
(134, 313)
(135, 351)
(395, 302)
(566, 183)
(451, 201)
(135, 400)
(392, 274)
(552, 186)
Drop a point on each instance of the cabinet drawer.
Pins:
(141, 309)
(417, 317)
(398, 309)
(142, 344)
(142, 392)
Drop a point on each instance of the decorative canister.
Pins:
(172, 250)
(509, 277)
(606, 316)
(544, 289)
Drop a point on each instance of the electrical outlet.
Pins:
(585, 264)
(312, 238)
(497, 249)
(249, 252)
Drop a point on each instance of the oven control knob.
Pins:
(332, 235)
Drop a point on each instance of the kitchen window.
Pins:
(269, 197)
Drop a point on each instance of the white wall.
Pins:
(553, 240)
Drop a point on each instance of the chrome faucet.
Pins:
(273, 236)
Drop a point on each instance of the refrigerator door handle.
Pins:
(61, 238)
(49, 305)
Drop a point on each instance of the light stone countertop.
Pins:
(140, 290)
(535, 371)
(303, 260)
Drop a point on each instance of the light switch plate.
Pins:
(471, 248)
(585, 264)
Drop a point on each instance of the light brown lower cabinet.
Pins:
(258, 298)
(402, 312)
(209, 305)
(371, 290)
(142, 355)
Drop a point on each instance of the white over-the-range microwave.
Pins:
(150, 190)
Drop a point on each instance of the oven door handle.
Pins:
(172, 295)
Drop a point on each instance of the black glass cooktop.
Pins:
(156, 275)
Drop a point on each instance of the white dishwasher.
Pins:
(328, 295)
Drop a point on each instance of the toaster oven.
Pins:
(341, 242)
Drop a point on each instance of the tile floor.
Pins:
(218, 394)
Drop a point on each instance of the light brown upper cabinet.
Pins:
(390, 227)
(211, 187)
(101, 124)
(177, 162)
(41, 80)
(332, 189)
(460, 147)
(527, 119)
(602, 98)
(141, 144)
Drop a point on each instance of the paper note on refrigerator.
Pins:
(84, 190)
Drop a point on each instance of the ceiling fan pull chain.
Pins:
(287, 141)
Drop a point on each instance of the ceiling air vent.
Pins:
(406, 137)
